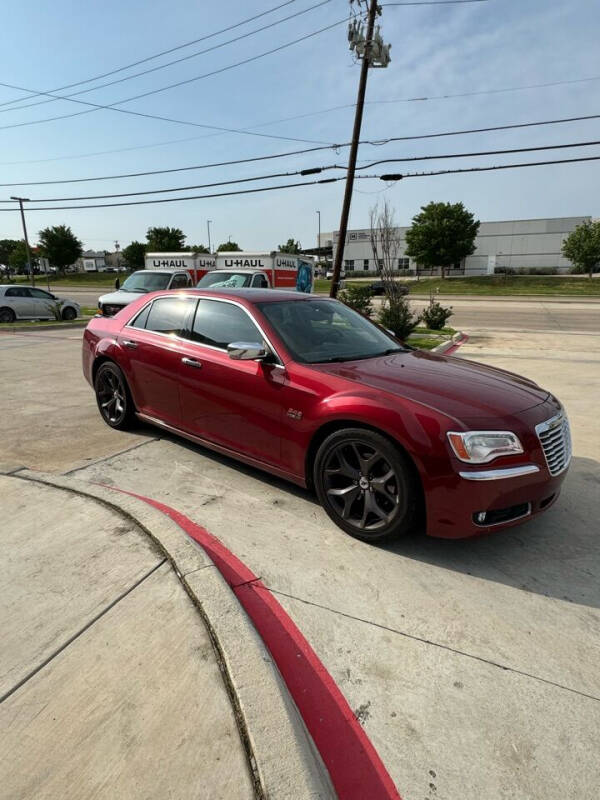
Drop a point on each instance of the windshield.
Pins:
(225, 280)
(317, 331)
(146, 282)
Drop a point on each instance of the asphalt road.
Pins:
(472, 665)
(509, 314)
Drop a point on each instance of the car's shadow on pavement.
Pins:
(556, 554)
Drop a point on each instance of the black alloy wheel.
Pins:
(113, 397)
(7, 315)
(69, 314)
(365, 485)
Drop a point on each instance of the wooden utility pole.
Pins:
(360, 102)
(29, 264)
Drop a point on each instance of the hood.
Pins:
(456, 387)
(120, 298)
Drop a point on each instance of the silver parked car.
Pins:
(29, 302)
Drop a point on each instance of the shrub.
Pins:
(435, 315)
(358, 298)
(399, 317)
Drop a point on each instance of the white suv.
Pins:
(141, 282)
(29, 302)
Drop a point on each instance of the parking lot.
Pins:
(472, 665)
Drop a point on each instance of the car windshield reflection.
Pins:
(324, 331)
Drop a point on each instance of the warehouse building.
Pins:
(517, 244)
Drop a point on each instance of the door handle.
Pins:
(191, 362)
(129, 343)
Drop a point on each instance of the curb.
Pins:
(449, 347)
(282, 758)
(34, 328)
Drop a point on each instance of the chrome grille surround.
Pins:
(555, 437)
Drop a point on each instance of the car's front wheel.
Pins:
(69, 314)
(7, 315)
(113, 397)
(365, 485)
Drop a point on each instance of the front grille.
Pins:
(110, 310)
(555, 438)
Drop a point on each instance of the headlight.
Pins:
(479, 447)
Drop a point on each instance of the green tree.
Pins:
(134, 254)
(290, 247)
(18, 258)
(229, 247)
(441, 235)
(60, 246)
(198, 248)
(165, 240)
(6, 248)
(582, 247)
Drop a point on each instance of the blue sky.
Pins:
(436, 50)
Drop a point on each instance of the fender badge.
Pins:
(291, 412)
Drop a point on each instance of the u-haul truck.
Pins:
(237, 269)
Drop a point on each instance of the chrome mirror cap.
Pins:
(247, 351)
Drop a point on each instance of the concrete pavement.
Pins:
(108, 675)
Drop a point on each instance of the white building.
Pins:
(91, 261)
(521, 243)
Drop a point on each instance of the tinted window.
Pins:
(179, 282)
(17, 292)
(259, 281)
(218, 324)
(316, 331)
(41, 295)
(140, 320)
(169, 314)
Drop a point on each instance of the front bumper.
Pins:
(454, 508)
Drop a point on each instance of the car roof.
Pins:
(166, 271)
(253, 295)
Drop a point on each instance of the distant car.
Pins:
(142, 282)
(378, 287)
(29, 302)
(329, 274)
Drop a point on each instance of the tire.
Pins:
(365, 484)
(7, 315)
(113, 397)
(69, 314)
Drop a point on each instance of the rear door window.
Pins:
(169, 315)
(219, 323)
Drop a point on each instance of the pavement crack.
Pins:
(81, 631)
(430, 642)
(112, 455)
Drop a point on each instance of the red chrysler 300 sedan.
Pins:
(309, 390)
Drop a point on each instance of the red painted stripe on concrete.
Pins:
(456, 345)
(354, 766)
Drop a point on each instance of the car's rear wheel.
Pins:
(69, 314)
(7, 315)
(113, 397)
(365, 484)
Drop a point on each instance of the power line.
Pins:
(303, 116)
(312, 170)
(113, 106)
(481, 153)
(54, 98)
(487, 169)
(385, 177)
(191, 197)
(269, 157)
(156, 55)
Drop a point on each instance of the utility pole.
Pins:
(208, 221)
(364, 47)
(22, 200)
(319, 238)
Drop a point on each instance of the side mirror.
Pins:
(247, 351)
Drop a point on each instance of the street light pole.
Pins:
(319, 239)
(208, 221)
(21, 200)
